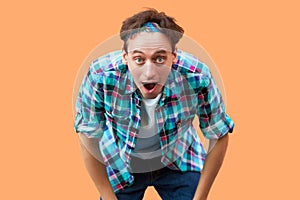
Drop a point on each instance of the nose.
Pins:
(149, 71)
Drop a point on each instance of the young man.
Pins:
(134, 113)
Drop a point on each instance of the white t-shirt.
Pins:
(147, 142)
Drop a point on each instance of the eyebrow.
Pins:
(160, 51)
(157, 52)
(137, 51)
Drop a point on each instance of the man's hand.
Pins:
(95, 168)
(211, 168)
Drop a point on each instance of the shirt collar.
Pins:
(171, 90)
(129, 83)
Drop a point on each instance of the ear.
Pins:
(175, 58)
(124, 57)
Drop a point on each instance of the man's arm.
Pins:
(211, 168)
(95, 168)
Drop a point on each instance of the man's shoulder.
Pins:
(189, 63)
(108, 62)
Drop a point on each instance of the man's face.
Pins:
(149, 60)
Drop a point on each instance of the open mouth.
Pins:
(149, 86)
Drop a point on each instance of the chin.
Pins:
(149, 96)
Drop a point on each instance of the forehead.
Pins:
(149, 42)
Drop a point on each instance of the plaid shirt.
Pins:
(108, 108)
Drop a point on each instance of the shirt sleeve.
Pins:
(89, 118)
(213, 120)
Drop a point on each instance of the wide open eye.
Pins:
(138, 60)
(160, 60)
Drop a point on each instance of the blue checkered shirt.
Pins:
(108, 108)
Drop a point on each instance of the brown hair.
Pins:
(173, 31)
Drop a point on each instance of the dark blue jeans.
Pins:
(170, 185)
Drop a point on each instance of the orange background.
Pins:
(255, 45)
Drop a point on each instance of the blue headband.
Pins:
(150, 27)
(146, 27)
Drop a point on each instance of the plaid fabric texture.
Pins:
(108, 108)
